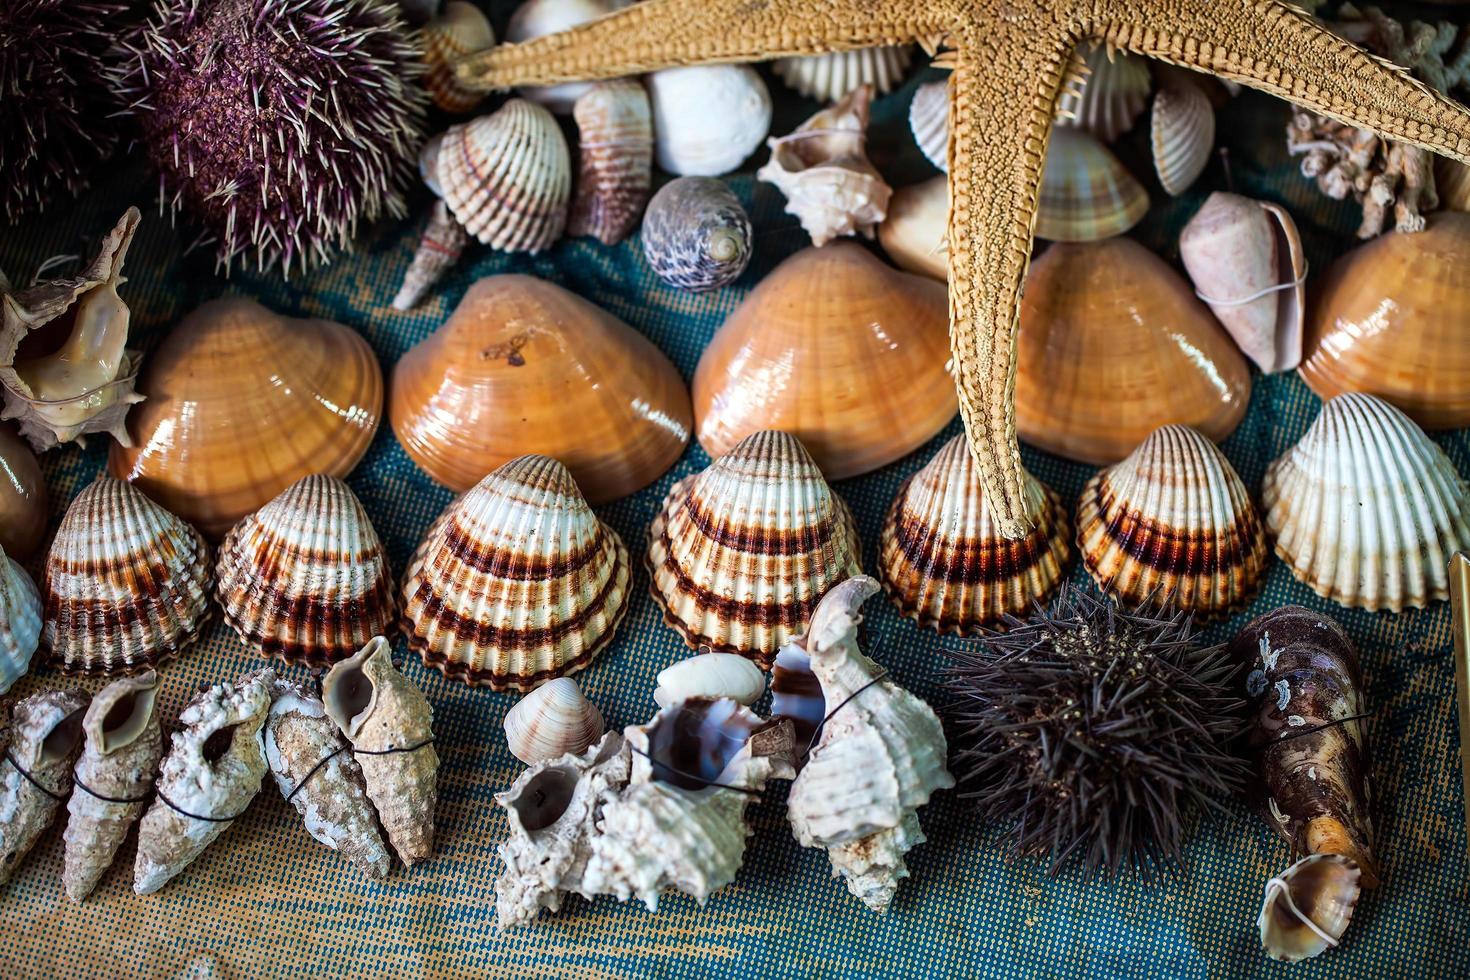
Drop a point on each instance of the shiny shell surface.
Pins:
(1322, 887)
(916, 232)
(696, 234)
(615, 157)
(828, 77)
(707, 118)
(22, 497)
(459, 29)
(20, 621)
(1086, 194)
(1182, 136)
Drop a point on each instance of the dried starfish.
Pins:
(1010, 60)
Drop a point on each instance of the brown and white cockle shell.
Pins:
(305, 579)
(440, 246)
(739, 554)
(390, 725)
(929, 122)
(20, 621)
(877, 753)
(1246, 261)
(35, 772)
(943, 560)
(213, 769)
(126, 584)
(615, 152)
(823, 169)
(1173, 523)
(828, 77)
(458, 29)
(318, 775)
(123, 743)
(1183, 135)
(554, 720)
(1109, 97)
(517, 582)
(1324, 887)
(86, 385)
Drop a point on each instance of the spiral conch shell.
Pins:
(823, 169)
(20, 621)
(35, 772)
(86, 385)
(615, 149)
(878, 755)
(458, 30)
(114, 778)
(828, 77)
(554, 720)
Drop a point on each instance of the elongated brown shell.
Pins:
(459, 29)
(615, 149)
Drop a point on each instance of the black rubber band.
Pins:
(692, 777)
(393, 750)
(58, 797)
(106, 799)
(816, 732)
(1319, 728)
(195, 816)
(314, 770)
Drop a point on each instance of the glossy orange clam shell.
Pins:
(22, 496)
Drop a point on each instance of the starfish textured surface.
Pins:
(1011, 57)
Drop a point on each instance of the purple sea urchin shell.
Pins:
(276, 124)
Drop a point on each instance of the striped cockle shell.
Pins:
(517, 582)
(305, 579)
(929, 122)
(458, 30)
(552, 721)
(1366, 509)
(740, 554)
(508, 177)
(1086, 195)
(615, 149)
(126, 584)
(943, 560)
(1173, 522)
(1183, 135)
(1109, 100)
(20, 621)
(828, 77)
(696, 235)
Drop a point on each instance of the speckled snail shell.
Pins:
(696, 235)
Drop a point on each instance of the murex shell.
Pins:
(126, 583)
(1111, 96)
(828, 77)
(45, 732)
(943, 560)
(1086, 195)
(305, 578)
(1183, 135)
(517, 582)
(615, 152)
(710, 675)
(929, 122)
(554, 720)
(1366, 509)
(707, 118)
(915, 234)
(739, 554)
(20, 621)
(460, 29)
(1173, 523)
(696, 235)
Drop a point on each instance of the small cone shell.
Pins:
(1183, 136)
(45, 737)
(126, 583)
(123, 745)
(828, 77)
(943, 560)
(740, 554)
(517, 581)
(929, 122)
(615, 150)
(1322, 887)
(458, 30)
(305, 578)
(439, 248)
(1173, 522)
(1111, 96)
(20, 621)
(1366, 509)
(554, 720)
(390, 725)
(1086, 195)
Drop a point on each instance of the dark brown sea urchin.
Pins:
(276, 124)
(1093, 730)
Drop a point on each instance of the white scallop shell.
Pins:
(537, 18)
(710, 675)
(828, 77)
(554, 720)
(460, 29)
(1183, 135)
(20, 621)
(707, 118)
(929, 122)
(1110, 99)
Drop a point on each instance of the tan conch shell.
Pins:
(1308, 906)
(710, 675)
(23, 507)
(1110, 96)
(305, 578)
(440, 246)
(1246, 261)
(1173, 523)
(126, 583)
(878, 756)
(554, 720)
(86, 385)
(1366, 509)
(35, 771)
(929, 122)
(823, 169)
(390, 725)
(213, 770)
(20, 621)
(615, 151)
(317, 773)
(707, 118)
(1086, 195)
(1183, 135)
(459, 29)
(943, 560)
(113, 778)
(828, 77)
(916, 232)
(739, 554)
(517, 582)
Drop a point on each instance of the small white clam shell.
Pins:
(1183, 135)
(828, 77)
(552, 721)
(20, 621)
(707, 118)
(929, 122)
(710, 675)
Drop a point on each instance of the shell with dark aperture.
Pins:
(36, 770)
(696, 235)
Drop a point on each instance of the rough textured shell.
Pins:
(707, 118)
(916, 232)
(1173, 522)
(1112, 96)
(828, 77)
(23, 508)
(770, 366)
(126, 584)
(1325, 886)
(524, 366)
(1366, 509)
(242, 403)
(1182, 137)
(508, 177)
(20, 621)
(740, 554)
(942, 558)
(45, 737)
(615, 151)
(537, 18)
(554, 720)
(440, 246)
(1113, 344)
(517, 581)
(458, 30)
(305, 578)
(929, 122)
(710, 675)
(696, 235)
(1086, 195)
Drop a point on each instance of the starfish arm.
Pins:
(1278, 49)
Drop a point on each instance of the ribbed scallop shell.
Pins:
(740, 554)
(1183, 135)
(517, 581)
(1086, 195)
(1174, 522)
(508, 177)
(126, 583)
(552, 721)
(696, 235)
(1111, 98)
(943, 560)
(615, 148)
(460, 29)
(828, 77)
(1366, 509)
(305, 578)
(20, 621)
(929, 122)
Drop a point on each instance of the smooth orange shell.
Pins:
(1114, 344)
(243, 402)
(838, 349)
(22, 497)
(524, 366)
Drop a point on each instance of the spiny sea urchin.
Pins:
(276, 124)
(54, 106)
(1094, 729)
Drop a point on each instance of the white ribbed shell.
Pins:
(551, 721)
(929, 122)
(20, 621)
(1112, 96)
(1183, 136)
(828, 77)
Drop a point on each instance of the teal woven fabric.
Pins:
(266, 900)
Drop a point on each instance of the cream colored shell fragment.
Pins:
(45, 735)
(710, 675)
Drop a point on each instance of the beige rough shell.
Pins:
(828, 77)
(615, 153)
(554, 720)
(114, 778)
(20, 621)
(459, 29)
(710, 675)
(45, 737)
(440, 246)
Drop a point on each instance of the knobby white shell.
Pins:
(1183, 135)
(828, 77)
(929, 122)
(554, 720)
(36, 771)
(710, 675)
(20, 621)
(707, 118)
